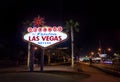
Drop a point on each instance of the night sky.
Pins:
(99, 21)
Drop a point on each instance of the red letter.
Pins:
(51, 38)
(60, 39)
(29, 38)
(37, 38)
(49, 29)
(34, 29)
(33, 38)
(54, 28)
(44, 29)
(43, 38)
(29, 29)
(47, 38)
(60, 28)
(56, 38)
(39, 29)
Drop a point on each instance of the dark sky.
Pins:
(99, 21)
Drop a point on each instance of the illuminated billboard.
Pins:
(45, 36)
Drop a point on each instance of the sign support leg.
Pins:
(42, 60)
(32, 59)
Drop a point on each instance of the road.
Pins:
(59, 74)
(39, 77)
(50, 74)
(97, 75)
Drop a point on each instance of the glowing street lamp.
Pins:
(109, 49)
(99, 49)
(109, 52)
(92, 53)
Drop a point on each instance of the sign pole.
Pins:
(32, 59)
(42, 60)
(28, 57)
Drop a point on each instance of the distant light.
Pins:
(92, 53)
(109, 49)
(102, 55)
(107, 62)
(99, 49)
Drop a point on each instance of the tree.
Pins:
(71, 26)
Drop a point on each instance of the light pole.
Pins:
(99, 50)
(92, 53)
(109, 50)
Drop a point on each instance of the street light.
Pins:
(109, 49)
(109, 53)
(99, 50)
(92, 53)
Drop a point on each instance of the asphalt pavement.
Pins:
(50, 74)
(96, 75)
(56, 74)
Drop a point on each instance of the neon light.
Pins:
(39, 29)
(45, 36)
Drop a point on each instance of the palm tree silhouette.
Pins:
(71, 26)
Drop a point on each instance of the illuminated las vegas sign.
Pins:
(45, 36)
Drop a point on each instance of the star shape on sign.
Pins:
(38, 21)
